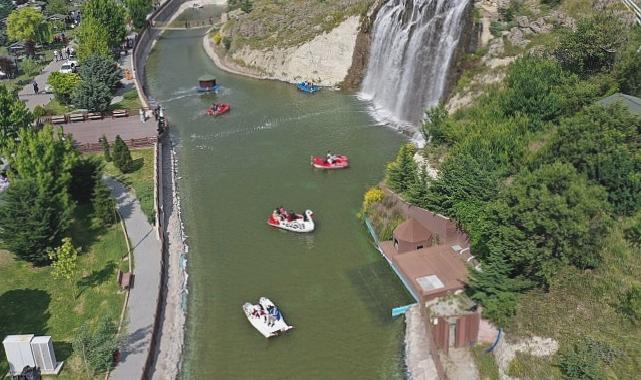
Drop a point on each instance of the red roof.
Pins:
(412, 231)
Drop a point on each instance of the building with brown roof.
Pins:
(411, 235)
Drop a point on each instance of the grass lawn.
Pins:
(54, 107)
(488, 370)
(130, 101)
(141, 180)
(584, 304)
(32, 302)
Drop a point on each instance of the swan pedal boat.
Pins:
(340, 162)
(308, 88)
(298, 223)
(266, 317)
(223, 108)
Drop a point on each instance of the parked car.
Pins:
(70, 66)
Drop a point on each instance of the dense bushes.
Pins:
(534, 171)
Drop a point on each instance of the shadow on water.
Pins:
(378, 290)
(22, 311)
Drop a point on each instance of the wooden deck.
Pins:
(129, 128)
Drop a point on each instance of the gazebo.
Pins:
(207, 83)
(411, 235)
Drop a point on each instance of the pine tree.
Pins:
(103, 205)
(30, 223)
(417, 189)
(121, 155)
(402, 171)
(105, 148)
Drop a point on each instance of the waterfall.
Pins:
(412, 51)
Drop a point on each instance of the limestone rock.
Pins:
(496, 47)
(540, 26)
(516, 37)
(523, 22)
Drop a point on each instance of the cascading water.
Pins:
(413, 45)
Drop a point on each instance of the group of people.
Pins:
(284, 216)
(65, 53)
(267, 315)
(216, 107)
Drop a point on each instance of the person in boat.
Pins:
(330, 157)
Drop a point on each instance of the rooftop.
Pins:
(412, 231)
(632, 103)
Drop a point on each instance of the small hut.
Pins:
(207, 83)
(411, 235)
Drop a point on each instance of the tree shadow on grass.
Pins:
(96, 277)
(137, 164)
(23, 311)
(83, 231)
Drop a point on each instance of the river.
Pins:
(332, 285)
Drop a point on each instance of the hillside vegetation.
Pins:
(280, 23)
(547, 184)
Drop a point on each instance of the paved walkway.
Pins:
(41, 98)
(143, 297)
(90, 131)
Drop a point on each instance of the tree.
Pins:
(603, 143)
(94, 96)
(592, 47)
(108, 15)
(100, 68)
(105, 148)
(14, 114)
(434, 125)
(85, 174)
(533, 86)
(64, 263)
(121, 155)
(96, 346)
(417, 190)
(28, 222)
(93, 39)
(138, 10)
(103, 205)
(628, 66)
(402, 171)
(60, 7)
(547, 218)
(28, 24)
(29, 67)
(64, 85)
(35, 218)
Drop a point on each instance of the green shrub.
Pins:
(29, 67)
(121, 156)
(630, 303)
(581, 363)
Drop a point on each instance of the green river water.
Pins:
(332, 285)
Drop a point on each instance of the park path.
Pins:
(143, 296)
(29, 97)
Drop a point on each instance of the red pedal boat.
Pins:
(218, 109)
(337, 162)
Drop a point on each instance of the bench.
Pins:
(119, 113)
(77, 117)
(58, 119)
(125, 280)
(94, 116)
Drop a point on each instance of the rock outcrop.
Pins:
(325, 59)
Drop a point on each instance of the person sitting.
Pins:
(330, 157)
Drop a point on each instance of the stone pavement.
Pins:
(143, 296)
(30, 98)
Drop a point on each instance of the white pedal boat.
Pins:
(266, 317)
(294, 223)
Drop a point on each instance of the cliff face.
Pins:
(325, 59)
(469, 42)
(360, 58)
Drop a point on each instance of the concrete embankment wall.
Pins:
(142, 47)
